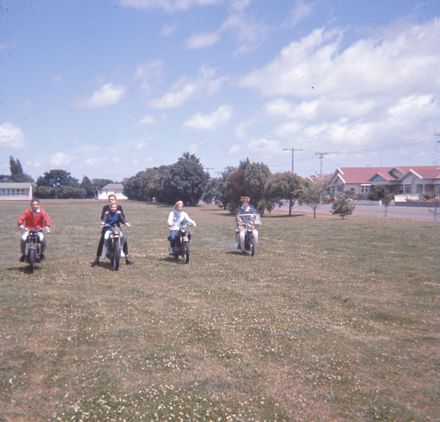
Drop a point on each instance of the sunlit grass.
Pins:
(330, 320)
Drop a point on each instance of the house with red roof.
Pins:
(409, 181)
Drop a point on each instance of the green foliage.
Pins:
(87, 185)
(65, 192)
(17, 174)
(185, 180)
(44, 192)
(56, 179)
(281, 186)
(100, 183)
(377, 193)
(312, 192)
(343, 206)
(255, 178)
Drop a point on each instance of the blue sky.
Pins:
(106, 88)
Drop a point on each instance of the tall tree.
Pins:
(17, 173)
(56, 179)
(86, 184)
(184, 180)
(312, 193)
(282, 186)
(255, 178)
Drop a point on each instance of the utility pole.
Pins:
(292, 171)
(321, 155)
(437, 134)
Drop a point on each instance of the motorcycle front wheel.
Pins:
(31, 260)
(116, 255)
(252, 246)
(185, 253)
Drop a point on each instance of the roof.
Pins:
(113, 186)
(356, 175)
(15, 185)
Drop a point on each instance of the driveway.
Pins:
(399, 212)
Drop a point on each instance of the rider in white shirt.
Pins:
(176, 217)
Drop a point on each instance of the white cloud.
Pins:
(206, 85)
(249, 33)
(210, 121)
(234, 150)
(60, 159)
(107, 95)
(11, 136)
(393, 63)
(140, 146)
(202, 40)
(300, 11)
(147, 120)
(167, 5)
(265, 146)
(239, 5)
(149, 75)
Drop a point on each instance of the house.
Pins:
(111, 188)
(12, 191)
(408, 182)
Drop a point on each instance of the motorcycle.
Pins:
(181, 243)
(249, 221)
(113, 246)
(33, 247)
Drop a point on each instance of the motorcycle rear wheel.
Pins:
(185, 255)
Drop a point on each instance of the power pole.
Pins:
(321, 155)
(437, 148)
(292, 171)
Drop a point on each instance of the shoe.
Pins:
(42, 257)
(22, 258)
(128, 261)
(95, 262)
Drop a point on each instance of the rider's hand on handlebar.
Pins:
(128, 224)
(47, 229)
(21, 227)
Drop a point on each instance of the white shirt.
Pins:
(176, 218)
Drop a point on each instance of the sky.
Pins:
(108, 88)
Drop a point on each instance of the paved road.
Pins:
(408, 213)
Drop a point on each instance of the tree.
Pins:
(386, 202)
(281, 186)
(377, 193)
(343, 206)
(184, 180)
(255, 178)
(55, 179)
(17, 173)
(100, 183)
(312, 192)
(86, 184)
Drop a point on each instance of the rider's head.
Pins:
(35, 205)
(178, 205)
(245, 200)
(112, 198)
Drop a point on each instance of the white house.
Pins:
(12, 191)
(112, 188)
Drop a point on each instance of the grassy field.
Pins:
(331, 320)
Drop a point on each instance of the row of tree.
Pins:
(55, 183)
(187, 180)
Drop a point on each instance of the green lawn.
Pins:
(331, 320)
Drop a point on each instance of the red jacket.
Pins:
(34, 221)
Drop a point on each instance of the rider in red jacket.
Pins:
(33, 218)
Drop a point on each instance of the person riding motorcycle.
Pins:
(106, 208)
(175, 218)
(34, 218)
(112, 218)
(245, 208)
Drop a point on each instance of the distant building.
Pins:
(407, 182)
(112, 188)
(11, 191)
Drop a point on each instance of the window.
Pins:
(407, 189)
(365, 188)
